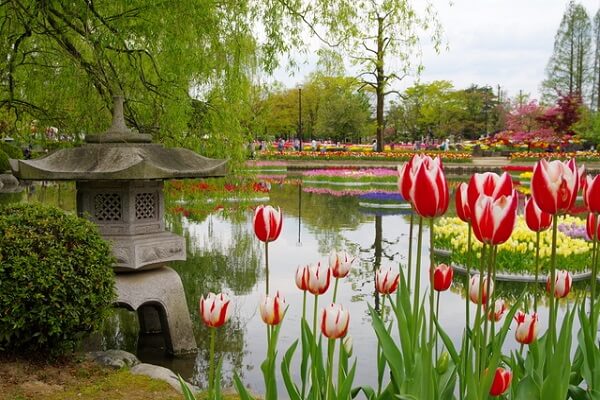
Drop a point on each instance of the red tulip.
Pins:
(214, 309)
(527, 328)
(429, 192)
(562, 283)
(591, 194)
(592, 228)
(340, 263)
(498, 311)
(442, 277)
(490, 184)
(386, 280)
(501, 381)
(302, 277)
(404, 183)
(494, 219)
(272, 309)
(554, 185)
(318, 279)
(463, 211)
(267, 223)
(474, 289)
(536, 219)
(334, 321)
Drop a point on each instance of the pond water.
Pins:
(224, 255)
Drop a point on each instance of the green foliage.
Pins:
(56, 279)
(11, 150)
(4, 164)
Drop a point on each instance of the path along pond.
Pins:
(225, 256)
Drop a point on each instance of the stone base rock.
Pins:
(114, 358)
(164, 374)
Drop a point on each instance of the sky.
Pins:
(489, 43)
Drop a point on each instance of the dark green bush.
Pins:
(4, 165)
(56, 279)
(11, 151)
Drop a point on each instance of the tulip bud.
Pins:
(474, 289)
(463, 211)
(318, 279)
(501, 382)
(442, 277)
(386, 280)
(340, 263)
(302, 277)
(592, 228)
(498, 311)
(536, 219)
(527, 328)
(347, 343)
(272, 309)
(334, 321)
(442, 363)
(562, 283)
(267, 223)
(214, 309)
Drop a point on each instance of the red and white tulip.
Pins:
(214, 309)
(592, 229)
(318, 278)
(474, 289)
(494, 219)
(386, 280)
(340, 263)
(554, 185)
(501, 382)
(527, 327)
(489, 184)
(463, 211)
(267, 223)
(302, 277)
(442, 277)
(536, 219)
(272, 309)
(562, 283)
(428, 187)
(335, 320)
(591, 194)
(498, 311)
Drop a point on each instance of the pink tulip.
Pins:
(442, 277)
(340, 263)
(474, 289)
(302, 277)
(429, 192)
(272, 309)
(562, 283)
(334, 321)
(554, 185)
(267, 223)
(591, 194)
(494, 219)
(592, 229)
(536, 219)
(498, 311)
(527, 328)
(214, 309)
(489, 184)
(386, 280)
(463, 211)
(318, 279)
(501, 382)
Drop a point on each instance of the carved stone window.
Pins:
(107, 207)
(145, 206)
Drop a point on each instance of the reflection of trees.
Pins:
(58, 194)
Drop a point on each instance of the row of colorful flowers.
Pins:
(448, 156)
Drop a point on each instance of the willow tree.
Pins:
(569, 69)
(384, 41)
(174, 61)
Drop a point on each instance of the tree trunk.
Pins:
(380, 87)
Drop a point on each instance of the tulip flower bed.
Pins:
(514, 256)
(447, 156)
(352, 175)
(581, 156)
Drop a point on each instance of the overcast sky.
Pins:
(490, 42)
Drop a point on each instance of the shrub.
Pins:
(11, 151)
(4, 165)
(56, 279)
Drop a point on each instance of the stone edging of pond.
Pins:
(582, 276)
(385, 205)
(120, 359)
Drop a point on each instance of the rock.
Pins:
(114, 358)
(164, 374)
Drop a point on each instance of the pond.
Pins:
(224, 255)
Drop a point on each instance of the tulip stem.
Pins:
(486, 321)
(335, 287)
(304, 305)
(431, 291)
(537, 271)
(552, 316)
(330, 351)
(417, 281)
(341, 363)
(477, 324)
(316, 388)
(492, 299)
(594, 272)
(467, 305)
(211, 365)
(267, 266)
(437, 313)
(410, 242)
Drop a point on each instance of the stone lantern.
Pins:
(119, 178)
